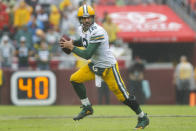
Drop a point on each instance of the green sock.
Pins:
(79, 89)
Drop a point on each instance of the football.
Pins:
(65, 37)
(67, 51)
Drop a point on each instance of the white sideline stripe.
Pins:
(66, 117)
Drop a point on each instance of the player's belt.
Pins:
(97, 70)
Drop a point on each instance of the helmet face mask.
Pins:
(86, 22)
(86, 16)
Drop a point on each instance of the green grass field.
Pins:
(105, 118)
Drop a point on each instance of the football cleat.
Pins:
(87, 110)
(142, 122)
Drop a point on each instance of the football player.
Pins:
(103, 64)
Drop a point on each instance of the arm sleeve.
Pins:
(86, 53)
(78, 42)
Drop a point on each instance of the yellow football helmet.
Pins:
(86, 11)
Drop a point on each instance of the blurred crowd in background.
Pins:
(30, 30)
(189, 6)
